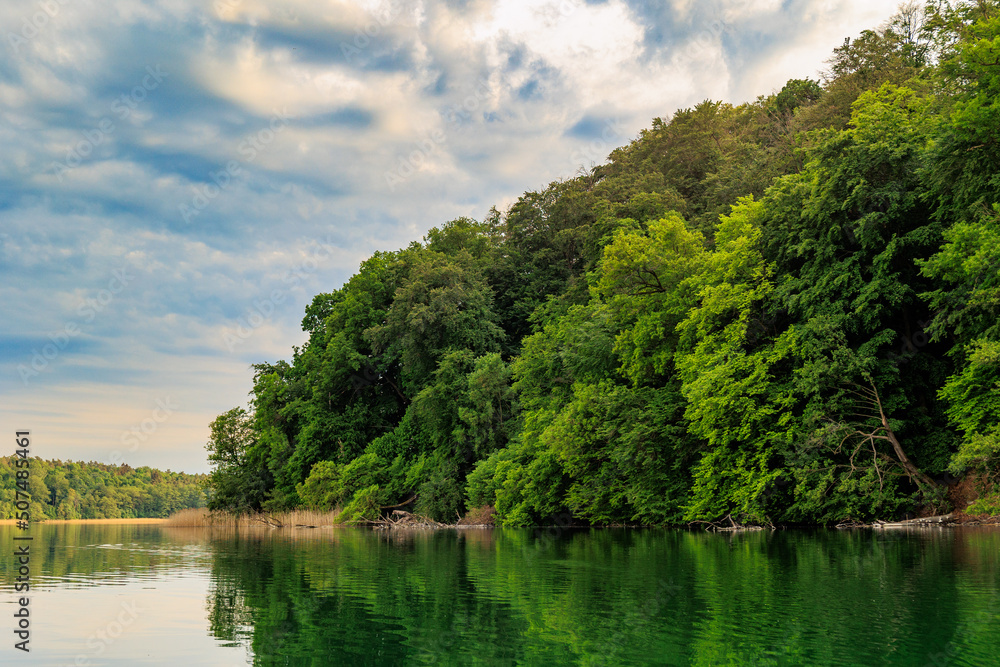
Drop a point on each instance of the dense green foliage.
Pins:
(785, 310)
(77, 490)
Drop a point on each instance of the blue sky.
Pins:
(179, 178)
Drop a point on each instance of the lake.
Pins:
(150, 594)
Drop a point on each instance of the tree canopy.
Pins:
(78, 490)
(785, 310)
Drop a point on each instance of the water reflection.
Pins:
(115, 595)
(590, 597)
(608, 597)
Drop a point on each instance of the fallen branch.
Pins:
(731, 528)
(941, 520)
(267, 521)
(403, 519)
(405, 502)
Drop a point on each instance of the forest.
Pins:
(77, 490)
(785, 311)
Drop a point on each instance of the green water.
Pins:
(152, 595)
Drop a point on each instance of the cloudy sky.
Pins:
(178, 178)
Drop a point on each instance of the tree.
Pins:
(739, 403)
(649, 281)
(443, 305)
(239, 481)
(973, 398)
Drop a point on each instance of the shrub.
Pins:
(366, 505)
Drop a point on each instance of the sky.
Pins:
(179, 178)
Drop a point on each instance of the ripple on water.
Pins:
(508, 597)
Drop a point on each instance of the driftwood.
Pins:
(922, 522)
(403, 519)
(267, 521)
(721, 527)
(942, 520)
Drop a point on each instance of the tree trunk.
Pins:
(914, 473)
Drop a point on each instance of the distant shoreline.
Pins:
(11, 522)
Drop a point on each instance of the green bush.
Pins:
(322, 489)
(440, 496)
(988, 505)
(366, 505)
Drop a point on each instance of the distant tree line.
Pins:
(77, 490)
(786, 310)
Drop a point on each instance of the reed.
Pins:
(203, 517)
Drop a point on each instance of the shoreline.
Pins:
(163, 521)
(13, 522)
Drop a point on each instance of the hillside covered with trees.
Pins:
(786, 310)
(77, 490)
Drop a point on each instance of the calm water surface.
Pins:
(117, 595)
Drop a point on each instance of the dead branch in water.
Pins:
(267, 520)
(403, 519)
(734, 526)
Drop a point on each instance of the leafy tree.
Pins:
(737, 401)
(974, 406)
(796, 93)
(443, 305)
(649, 281)
(238, 478)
